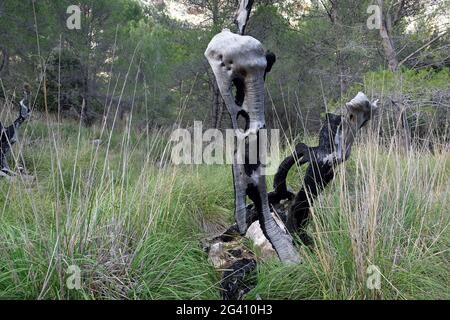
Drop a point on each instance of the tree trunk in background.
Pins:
(217, 109)
(340, 56)
(388, 48)
(218, 102)
(386, 39)
(86, 99)
(4, 63)
(215, 13)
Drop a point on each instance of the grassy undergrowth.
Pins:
(132, 222)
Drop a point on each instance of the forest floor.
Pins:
(110, 207)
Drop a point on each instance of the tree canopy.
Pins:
(135, 54)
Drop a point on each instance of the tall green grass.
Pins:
(118, 210)
(386, 209)
(133, 223)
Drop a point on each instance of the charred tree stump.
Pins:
(241, 61)
(336, 138)
(8, 135)
(335, 142)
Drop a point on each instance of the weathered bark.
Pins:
(334, 148)
(217, 107)
(8, 135)
(318, 174)
(388, 47)
(336, 138)
(4, 64)
(386, 39)
(243, 14)
(232, 284)
(241, 61)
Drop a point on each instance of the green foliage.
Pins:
(107, 198)
(133, 223)
(411, 81)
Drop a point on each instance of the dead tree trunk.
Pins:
(241, 62)
(4, 64)
(8, 135)
(335, 142)
(217, 107)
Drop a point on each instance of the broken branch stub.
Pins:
(240, 61)
(357, 114)
(243, 14)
